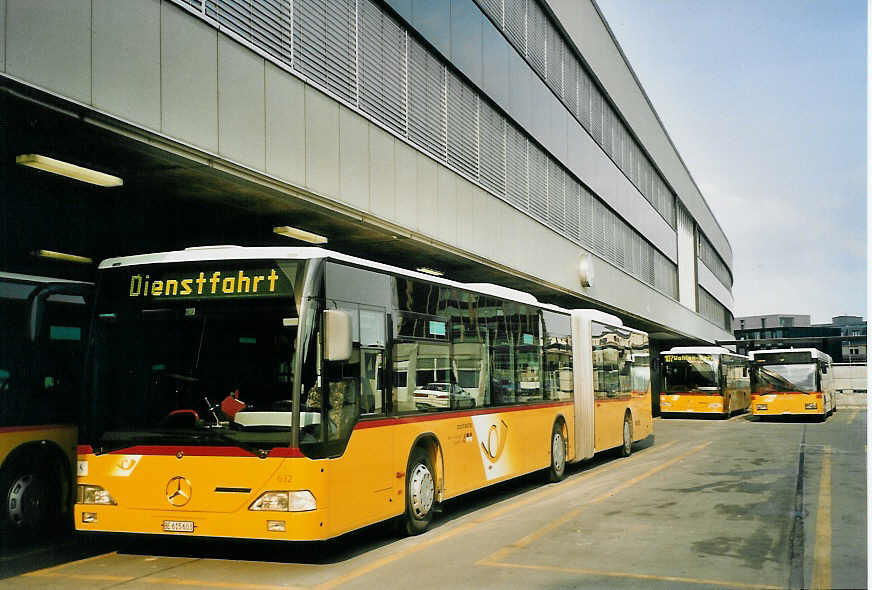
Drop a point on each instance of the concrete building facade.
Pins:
(506, 141)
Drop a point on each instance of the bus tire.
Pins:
(420, 492)
(627, 444)
(557, 466)
(31, 500)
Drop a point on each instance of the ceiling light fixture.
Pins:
(299, 234)
(430, 271)
(63, 256)
(69, 170)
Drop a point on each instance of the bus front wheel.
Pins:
(420, 492)
(627, 445)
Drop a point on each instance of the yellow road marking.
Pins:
(525, 541)
(589, 572)
(47, 570)
(485, 517)
(93, 577)
(821, 576)
(214, 584)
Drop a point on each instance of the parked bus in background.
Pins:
(793, 381)
(42, 333)
(704, 380)
(298, 393)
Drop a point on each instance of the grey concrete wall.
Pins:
(186, 81)
(849, 377)
(591, 36)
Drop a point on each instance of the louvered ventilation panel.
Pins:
(570, 83)
(554, 59)
(382, 66)
(426, 100)
(585, 217)
(584, 97)
(556, 200)
(598, 230)
(596, 115)
(514, 23)
(516, 168)
(265, 23)
(325, 40)
(494, 9)
(537, 30)
(462, 126)
(571, 191)
(493, 148)
(607, 142)
(538, 179)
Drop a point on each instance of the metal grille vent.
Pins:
(462, 126)
(584, 98)
(711, 309)
(585, 217)
(556, 200)
(538, 179)
(426, 99)
(493, 148)
(516, 168)
(710, 257)
(382, 65)
(554, 59)
(265, 23)
(515, 23)
(596, 116)
(608, 130)
(537, 30)
(325, 44)
(570, 84)
(572, 200)
(494, 9)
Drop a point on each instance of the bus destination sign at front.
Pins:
(210, 284)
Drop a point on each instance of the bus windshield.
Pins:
(213, 369)
(688, 373)
(798, 377)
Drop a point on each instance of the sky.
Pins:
(766, 103)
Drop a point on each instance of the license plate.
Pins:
(762, 407)
(178, 526)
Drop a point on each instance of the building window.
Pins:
(785, 322)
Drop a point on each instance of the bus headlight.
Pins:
(88, 494)
(295, 501)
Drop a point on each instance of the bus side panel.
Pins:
(363, 480)
(62, 435)
(609, 420)
(643, 420)
(691, 403)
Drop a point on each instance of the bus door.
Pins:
(363, 475)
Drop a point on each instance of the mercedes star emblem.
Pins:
(179, 491)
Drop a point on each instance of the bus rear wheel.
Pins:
(420, 493)
(627, 445)
(31, 501)
(557, 467)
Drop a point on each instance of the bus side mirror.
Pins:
(337, 335)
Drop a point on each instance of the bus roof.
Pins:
(35, 279)
(815, 353)
(306, 252)
(701, 350)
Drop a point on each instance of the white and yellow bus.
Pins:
(704, 380)
(285, 393)
(792, 381)
(42, 337)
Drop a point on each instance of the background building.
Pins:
(506, 141)
(844, 339)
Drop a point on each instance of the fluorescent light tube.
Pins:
(299, 234)
(69, 170)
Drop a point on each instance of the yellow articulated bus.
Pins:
(704, 380)
(42, 338)
(793, 381)
(298, 393)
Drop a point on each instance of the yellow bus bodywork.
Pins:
(363, 486)
(62, 435)
(704, 403)
(781, 403)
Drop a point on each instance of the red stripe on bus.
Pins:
(84, 450)
(456, 414)
(6, 429)
(187, 450)
(286, 452)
